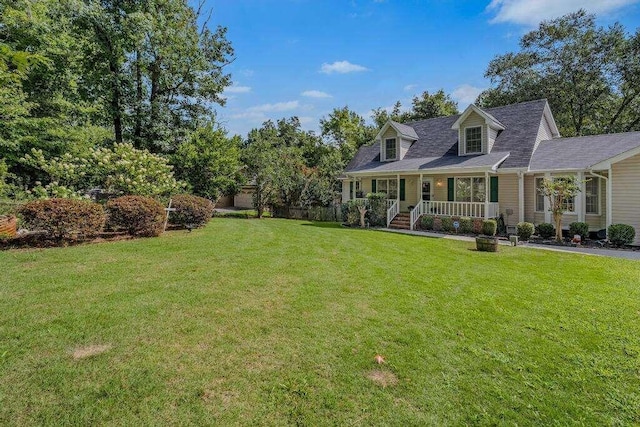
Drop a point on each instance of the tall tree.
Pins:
(346, 130)
(424, 106)
(589, 74)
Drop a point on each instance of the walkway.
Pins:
(632, 255)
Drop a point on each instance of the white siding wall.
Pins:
(474, 119)
(508, 197)
(626, 194)
(405, 144)
(493, 134)
(544, 132)
(345, 190)
(390, 133)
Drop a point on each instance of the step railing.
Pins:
(393, 210)
(416, 213)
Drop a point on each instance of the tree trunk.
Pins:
(363, 212)
(137, 131)
(115, 99)
(557, 218)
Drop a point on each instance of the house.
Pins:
(487, 162)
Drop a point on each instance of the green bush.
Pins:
(546, 230)
(63, 218)
(190, 211)
(447, 224)
(525, 230)
(377, 213)
(477, 225)
(579, 228)
(353, 213)
(138, 215)
(437, 224)
(344, 211)
(621, 234)
(489, 227)
(466, 225)
(427, 222)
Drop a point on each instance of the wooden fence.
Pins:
(312, 213)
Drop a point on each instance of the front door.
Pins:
(427, 186)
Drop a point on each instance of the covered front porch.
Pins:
(410, 196)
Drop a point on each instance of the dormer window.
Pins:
(473, 140)
(390, 149)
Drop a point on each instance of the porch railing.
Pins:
(392, 211)
(462, 209)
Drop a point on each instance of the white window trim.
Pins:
(388, 159)
(388, 180)
(455, 187)
(464, 139)
(599, 191)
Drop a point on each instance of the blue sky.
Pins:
(305, 57)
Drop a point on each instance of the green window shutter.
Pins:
(450, 189)
(373, 185)
(402, 190)
(493, 198)
(351, 190)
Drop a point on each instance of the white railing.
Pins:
(415, 215)
(469, 209)
(392, 211)
(390, 202)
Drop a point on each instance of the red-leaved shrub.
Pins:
(137, 215)
(190, 211)
(63, 218)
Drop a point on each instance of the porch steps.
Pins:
(402, 221)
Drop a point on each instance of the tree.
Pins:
(425, 106)
(347, 131)
(559, 191)
(590, 75)
(260, 158)
(209, 162)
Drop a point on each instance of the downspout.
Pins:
(609, 197)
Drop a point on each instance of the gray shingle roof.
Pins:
(427, 163)
(436, 138)
(582, 152)
(406, 130)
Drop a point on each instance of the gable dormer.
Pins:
(477, 131)
(395, 140)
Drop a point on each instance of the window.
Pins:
(473, 140)
(470, 190)
(592, 196)
(387, 186)
(539, 195)
(390, 149)
(426, 190)
(358, 190)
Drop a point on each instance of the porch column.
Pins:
(580, 198)
(609, 198)
(521, 197)
(486, 194)
(547, 206)
(419, 192)
(354, 188)
(398, 193)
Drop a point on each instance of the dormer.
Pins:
(395, 140)
(477, 131)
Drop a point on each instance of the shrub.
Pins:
(63, 218)
(427, 222)
(447, 224)
(344, 211)
(579, 228)
(353, 213)
(525, 230)
(191, 211)
(437, 224)
(377, 213)
(466, 225)
(477, 225)
(546, 230)
(138, 215)
(489, 227)
(621, 234)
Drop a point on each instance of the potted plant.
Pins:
(488, 242)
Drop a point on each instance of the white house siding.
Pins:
(626, 193)
(405, 144)
(544, 132)
(493, 134)
(345, 190)
(508, 197)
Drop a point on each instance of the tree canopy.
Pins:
(424, 106)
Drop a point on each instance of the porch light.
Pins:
(438, 183)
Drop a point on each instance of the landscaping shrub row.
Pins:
(466, 225)
(139, 216)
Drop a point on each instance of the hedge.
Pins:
(190, 211)
(63, 219)
(137, 215)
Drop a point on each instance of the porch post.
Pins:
(547, 206)
(609, 198)
(398, 192)
(486, 194)
(580, 198)
(521, 197)
(420, 192)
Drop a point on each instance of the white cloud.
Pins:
(315, 94)
(409, 88)
(277, 107)
(237, 89)
(466, 94)
(341, 67)
(531, 12)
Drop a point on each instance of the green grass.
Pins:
(278, 322)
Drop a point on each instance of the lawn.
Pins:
(278, 322)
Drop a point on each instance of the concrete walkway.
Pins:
(632, 255)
